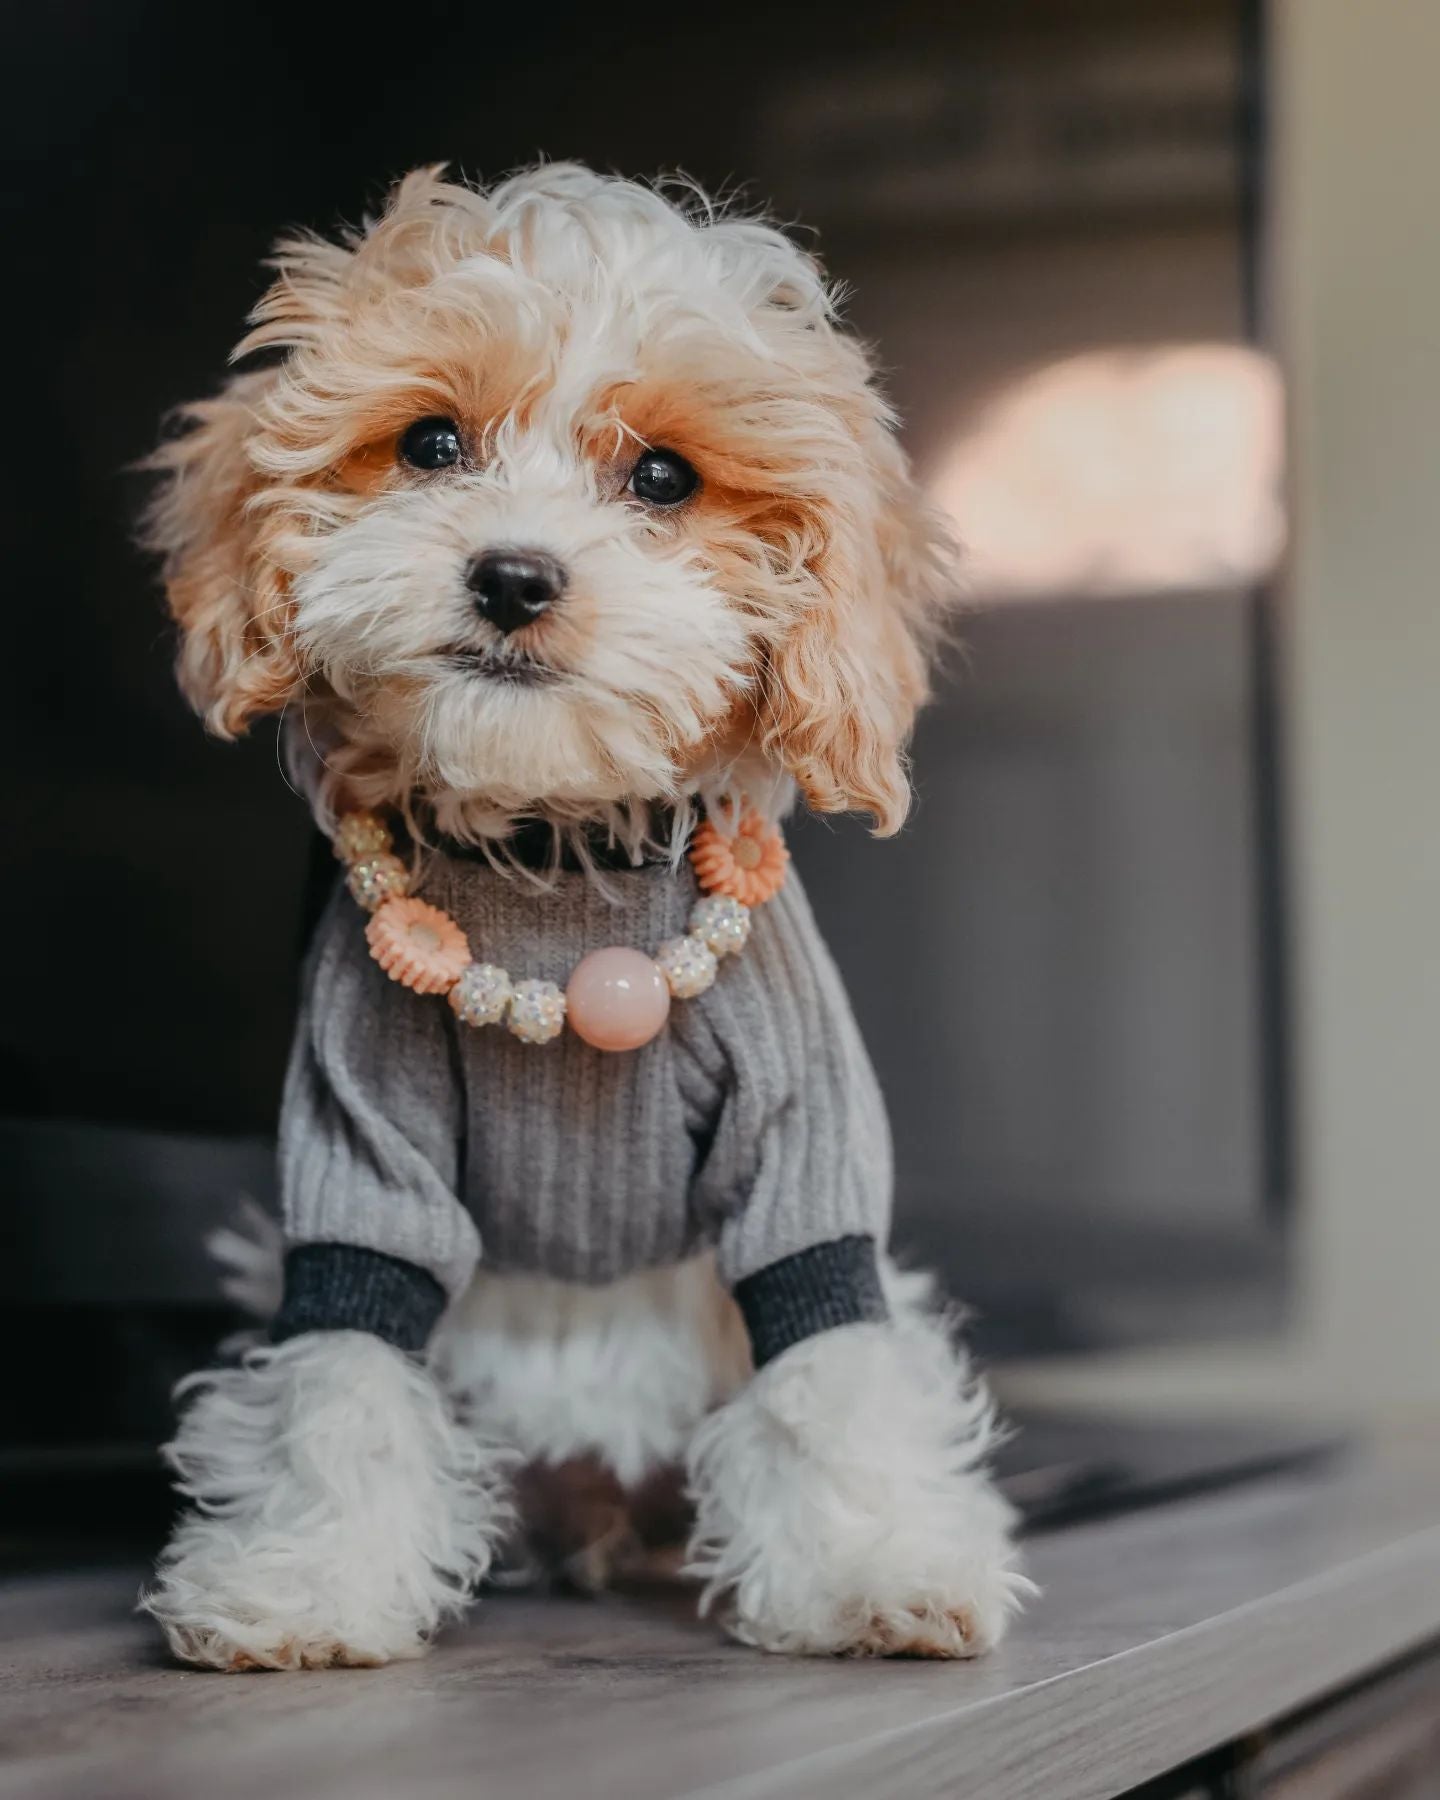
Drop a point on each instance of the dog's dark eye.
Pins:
(431, 444)
(663, 478)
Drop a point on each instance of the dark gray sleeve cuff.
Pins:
(342, 1287)
(812, 1291)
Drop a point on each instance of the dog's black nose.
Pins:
(513, 587)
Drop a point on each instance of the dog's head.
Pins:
(559, 497)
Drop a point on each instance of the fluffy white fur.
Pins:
(843, 1505)
(343, 1514)
(250, 1255)
(623, 1373)
(772, 631)
(339, 1515)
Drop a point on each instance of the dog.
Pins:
(563, 525)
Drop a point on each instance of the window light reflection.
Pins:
(1123, 471)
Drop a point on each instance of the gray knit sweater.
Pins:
(412, 1146)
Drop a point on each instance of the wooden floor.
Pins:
(1159, 1636)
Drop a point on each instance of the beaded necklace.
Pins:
(616, 998)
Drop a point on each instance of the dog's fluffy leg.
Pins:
(340, 1515)
(842, 1503)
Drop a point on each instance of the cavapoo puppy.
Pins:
(566, 530)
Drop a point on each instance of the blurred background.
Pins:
(1151, 978)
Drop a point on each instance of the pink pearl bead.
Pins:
(617, 999)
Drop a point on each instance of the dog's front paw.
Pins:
(234, 1603)
(960, 1619)
(341, 1516)
(842, 1508)
(240, 1594)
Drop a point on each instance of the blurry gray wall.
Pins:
(1358, 277)
(1058, 965)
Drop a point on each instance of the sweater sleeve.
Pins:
(370, 1132)
(799, 1152)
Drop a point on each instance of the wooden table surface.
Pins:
(1160, 1635)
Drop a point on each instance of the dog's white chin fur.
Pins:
(842, 1505)
(340, 1515)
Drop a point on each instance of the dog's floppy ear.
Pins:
(844, 683)
(236, 660)
(228, 595)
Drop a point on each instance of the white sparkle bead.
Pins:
(481, 995)
(537, 1011)
(721, 924)
(372, 880)
(688, 964)
(360, 834)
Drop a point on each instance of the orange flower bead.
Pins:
(748, 866)
(418, 945)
